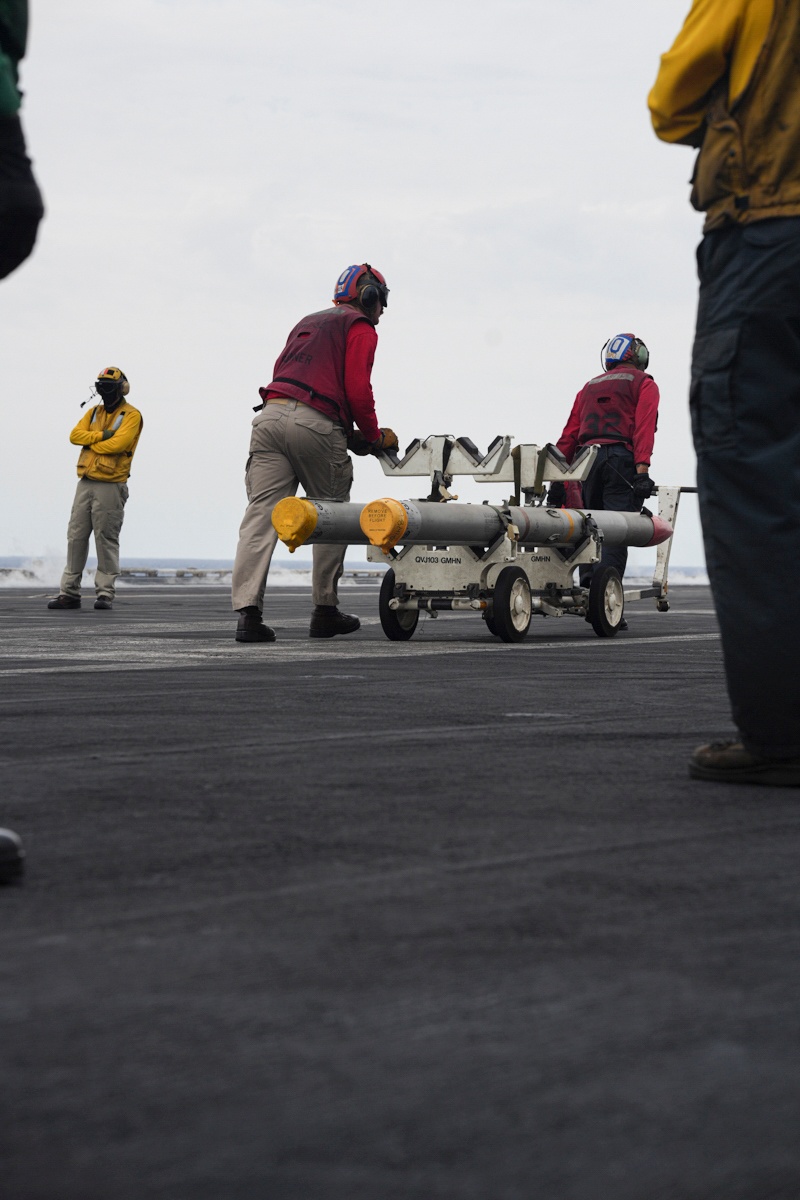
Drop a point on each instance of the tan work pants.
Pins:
(98, 508)
(291, 444)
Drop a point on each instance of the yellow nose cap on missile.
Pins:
(294, 520)
(384, 522)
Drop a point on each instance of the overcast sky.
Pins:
(210, 166)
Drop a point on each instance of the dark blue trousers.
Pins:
(608, 485)
(745, 405)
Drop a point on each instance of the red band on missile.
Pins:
(661, 531)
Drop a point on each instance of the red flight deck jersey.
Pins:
(327, 364)
(618, 406)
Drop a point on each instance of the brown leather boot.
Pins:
(730, 762)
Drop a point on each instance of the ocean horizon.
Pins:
(26, 571)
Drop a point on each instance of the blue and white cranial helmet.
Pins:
(625, 347)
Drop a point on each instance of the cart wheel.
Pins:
(606, 601)
(511, 607)
(662, 605)
(398, 626)
(488, 617)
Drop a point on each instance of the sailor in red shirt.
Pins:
(617, 411)
(320, 392)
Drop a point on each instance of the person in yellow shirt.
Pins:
(730, 86)
(108, 436)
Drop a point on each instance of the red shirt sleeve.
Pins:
(644, 433)
(359, 355)
(568, 441)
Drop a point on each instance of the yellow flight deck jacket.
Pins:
(109, 460)
(731, 85)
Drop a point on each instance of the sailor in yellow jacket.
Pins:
(730, 86)
(108, 437)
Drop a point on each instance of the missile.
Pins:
(388, 522)
(385, 523)
(299, 521)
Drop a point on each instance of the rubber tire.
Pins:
(398, 627)
(503, 598)
(605, 580)
(488, 617)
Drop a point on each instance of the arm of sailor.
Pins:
(644, 431)
(122, 438)
(84, 434)
(720, 39)
(359, 356)
(568, 442)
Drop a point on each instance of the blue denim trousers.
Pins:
(745, 406)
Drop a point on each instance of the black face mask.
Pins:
(111, 396)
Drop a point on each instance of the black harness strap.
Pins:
(314, 395)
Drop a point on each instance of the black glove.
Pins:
(557, 495)
(643, 486)
(358, 444)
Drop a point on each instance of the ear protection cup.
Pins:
(346, 290)
(126, 387)
(624, 347)
(370, 296)
(641, 355)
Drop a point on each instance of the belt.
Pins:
(281, 400)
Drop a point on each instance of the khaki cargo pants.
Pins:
(291, 444)
(98, 508)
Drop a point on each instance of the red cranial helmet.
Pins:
(347, 287)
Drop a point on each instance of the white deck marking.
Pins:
(153, 654)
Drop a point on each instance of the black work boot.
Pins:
(251, 627)
(327, 621)
(103, 602)
(12, 856)
(63, 601)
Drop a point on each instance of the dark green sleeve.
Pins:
(13, 36)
